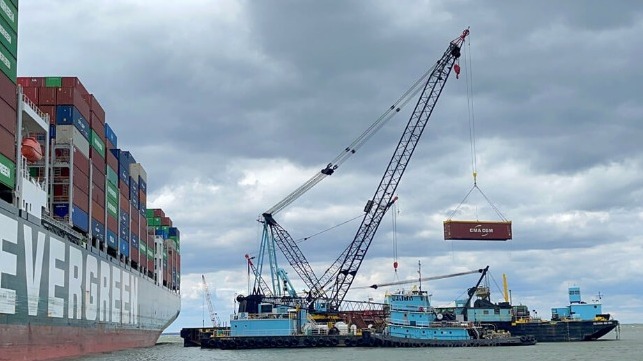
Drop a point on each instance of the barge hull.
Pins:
(561, 331)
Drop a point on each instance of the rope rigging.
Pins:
(468, 72)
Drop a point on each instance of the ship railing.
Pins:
(259, 316)
(408, 323)
(34, 107)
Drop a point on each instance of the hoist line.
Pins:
(402, 101)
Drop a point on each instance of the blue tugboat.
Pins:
(414, 322)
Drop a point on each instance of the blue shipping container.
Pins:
(174, 232)
(134, 243)
(134, 202)
(111, 136)
(161, 232)
(124, 248)
(124, 217)
(126, 158)
(98, 230)
(123, 173)
(143, 209)
(112, 240)
(142, 186)
(133, 188)
(61, 210)
(124, 232)
(79, 218)
(68, 114)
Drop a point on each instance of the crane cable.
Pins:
(300, 240)
(403, 100)
(468, 73)
(394, 221)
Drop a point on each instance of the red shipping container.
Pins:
(158, 212)
(112, 162)
(73, 82)
(58, 191)
(95, 108)
(166, 221)
(98, 196)
(81, 180)
(7, 144)
(51, 110)
(142, 197)
(26, 81)
(8, 117)
(124, 201)
(98, 170)
(72, 96)
(47, 96)
(98, 178)
(477, 230)
(96, 158)
(98, 212)
(8, 91)
(136, 231)
(97, 126)
(134, 254)
(112, 224)
(81, 199)
(78, 170)
(124, 189)
(31, 94)
(81, 161)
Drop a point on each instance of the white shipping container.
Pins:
(136, 170)
(69, 134)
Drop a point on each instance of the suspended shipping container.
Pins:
(477, 230)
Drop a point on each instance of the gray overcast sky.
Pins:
(230, 105)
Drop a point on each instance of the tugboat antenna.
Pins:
(420, 274)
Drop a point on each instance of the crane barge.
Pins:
(278, 317)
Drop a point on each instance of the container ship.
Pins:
(84, 266)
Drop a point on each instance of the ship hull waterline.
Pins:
(59, 299)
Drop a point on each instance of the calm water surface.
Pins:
(628, 348)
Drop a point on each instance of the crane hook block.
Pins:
(456, 68)
(395, 265)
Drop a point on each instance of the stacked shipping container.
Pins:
(163, 228)
(95, 186)
(8, 100)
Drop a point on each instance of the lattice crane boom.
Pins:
(352, 257)
(338, 278)
(213, 315)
